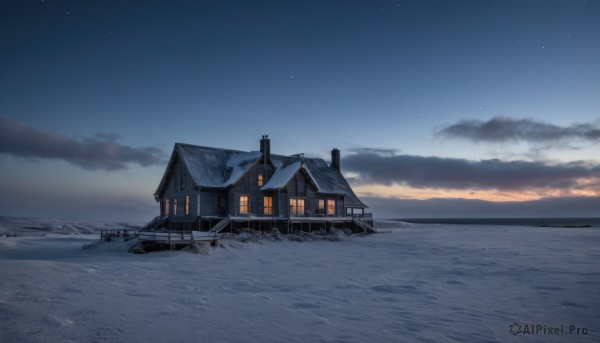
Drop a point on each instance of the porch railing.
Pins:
(364, 216)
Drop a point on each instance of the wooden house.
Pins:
(217, 189)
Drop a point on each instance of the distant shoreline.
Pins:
(540, 222)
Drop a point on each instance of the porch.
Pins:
(357, 223)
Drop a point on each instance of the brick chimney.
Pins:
(265, 147)
(335, 159)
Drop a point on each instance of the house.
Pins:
(207, 188)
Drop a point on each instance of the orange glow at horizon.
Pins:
(493, 195)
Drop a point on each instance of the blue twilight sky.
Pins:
(440, 108)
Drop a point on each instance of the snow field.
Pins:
(419, 283)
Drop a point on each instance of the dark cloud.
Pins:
(99, 152)
(566, 207)
(452, 173)
(503, 129)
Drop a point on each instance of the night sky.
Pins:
(440, 108)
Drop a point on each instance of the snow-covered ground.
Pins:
(413, 283)
(41, 226)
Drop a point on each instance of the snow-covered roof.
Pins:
(238, 165)
(205, 165)
(330, 181)
(212, 167)
(282, 176)
(220, 168)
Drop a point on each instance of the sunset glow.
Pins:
(398, 191)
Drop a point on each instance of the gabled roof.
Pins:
(212, 167)
(282, 176)
(221, 168)
(205, 165)
(238, 165)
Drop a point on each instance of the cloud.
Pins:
(98, 152)
(453, 173)
(503, 129)
(378, 151)
(566, 207)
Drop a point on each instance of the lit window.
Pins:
(268, 206)
(321, 208)
(331, 207)
(296, 207)
(260, 180)
(167, 201)
(175, 206)
(187, 205)
(244, 202)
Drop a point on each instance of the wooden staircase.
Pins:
(366, 227)
(221, 225)
(155, 223)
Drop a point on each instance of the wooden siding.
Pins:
(300, 186)
(213, 203)
(173, 191)
(248, 185)
(341, 210)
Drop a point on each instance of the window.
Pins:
(181, 180)
(321, 208)
(268, 206)
(174, 206)
(260, 179)
(167, 201)
(244, 202)
(187, 205)
(331, 207)
(296, 207)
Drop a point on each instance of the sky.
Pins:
(439, 108)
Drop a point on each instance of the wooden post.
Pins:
(198, 204)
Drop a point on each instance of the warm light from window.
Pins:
(260, 180)
(244, 202)
(187, 205)
(296, 207)
(268, 206)
(331, 207)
